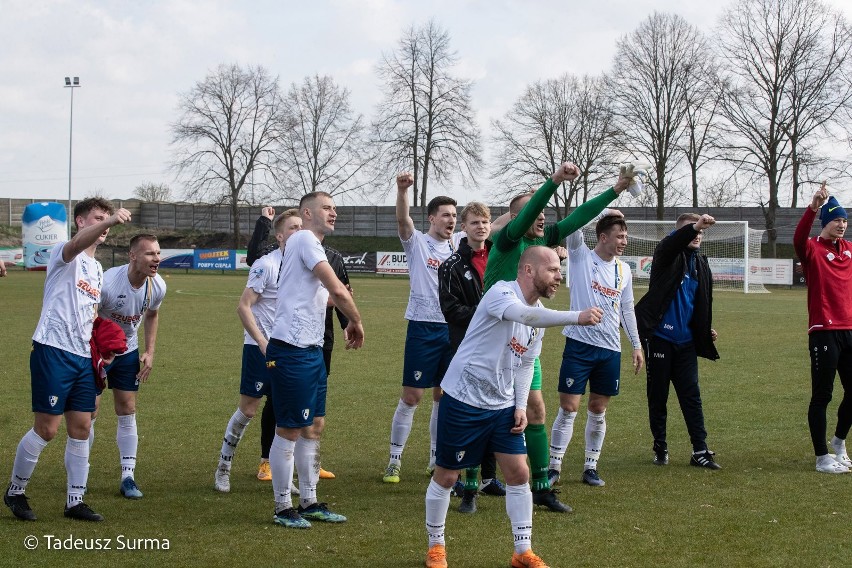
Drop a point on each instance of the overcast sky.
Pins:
(134, 58)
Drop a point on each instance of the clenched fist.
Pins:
(404, 181)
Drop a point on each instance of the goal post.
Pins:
(732, 249)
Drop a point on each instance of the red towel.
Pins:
(107, 339)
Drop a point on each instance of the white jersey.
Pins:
(424, 255)
(495, 353)
(71, 291)
(300, 313)
(263, 279)
(605, 284)
(126, 305)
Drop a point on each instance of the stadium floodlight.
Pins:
(731, 247)
(72, 83)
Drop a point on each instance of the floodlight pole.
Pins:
(72, 84)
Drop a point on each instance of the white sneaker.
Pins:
(839, 447)
(222, 480)
(828, 464)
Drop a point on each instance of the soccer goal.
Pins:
(731, 247)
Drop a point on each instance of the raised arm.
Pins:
(803, 229)
(404, 223)
(87, 236)
(257, 245)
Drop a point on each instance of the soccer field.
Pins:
(766, 507)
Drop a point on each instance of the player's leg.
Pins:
(78, 420)
(844, 409)
(658, 370)
(490, 484)
(29, 449)
(122, 381)
(437, 505)
(577, 364)
(825, 356)
(94, 418)
(254, 384)
(326, 356)
(267, 434)
(685, 382)
(536, 434)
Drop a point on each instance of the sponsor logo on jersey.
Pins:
(128, 320)
(270, 364)
(459, 456)
(610, 293)
(516, 347)
(53, 399)
(88, 290)
(433, 263)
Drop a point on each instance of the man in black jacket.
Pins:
(259, 246)
(674, 319)
(460, 289)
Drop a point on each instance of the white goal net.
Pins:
(731, 247)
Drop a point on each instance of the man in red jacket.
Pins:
(827, 265)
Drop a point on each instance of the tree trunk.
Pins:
(661, 184)
(694, 172)
(235, 217)
(794, 158)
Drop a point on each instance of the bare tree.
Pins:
(226, 137)
(426, 121)
(554, 121)
(150, 191)
(702, 96)
(323, 146)
(648, 92)
(783, 61)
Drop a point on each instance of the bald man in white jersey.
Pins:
(593, 355)
(485, 397)
(61, 373)
(132, 293)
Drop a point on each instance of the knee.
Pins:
(318, 426)
(412, 397)
(597, 406)
(445, 477)
(46, 432)
(517, 475)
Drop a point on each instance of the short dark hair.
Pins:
(141, 237)
(608, 222)
(83, 207)
(309, 197)
(436, 202)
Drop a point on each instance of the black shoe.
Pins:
(19, 506)
(82, 512)
(553, 476)
(547, 498)
(591, 477)
(661, 456)
(493, 487)
(704, 459)
(468, 502)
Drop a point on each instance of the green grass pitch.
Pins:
(766, 507)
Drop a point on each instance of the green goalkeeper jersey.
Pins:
(510, 242)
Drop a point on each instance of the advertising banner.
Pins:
(42, 226)
(391, 263)
(772, 271)
(215, 259)
(12, 256)
(364, 262)
(176, 258)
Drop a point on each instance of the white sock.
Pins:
(560, 437)
(127, 439)
(92, 435)
(26, 458)
(307, 464)
(403, 418)
(437, 504)
(519, 507)
(281, 464)
(433, 432)
(838, 445)
(233, 434)
(595, 434)
(77, 468)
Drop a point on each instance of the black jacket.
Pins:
(459, 290)
(667, 271)
(258, 247)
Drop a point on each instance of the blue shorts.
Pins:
(61, 381)
(121, 373)
(466, 434)
(254, 379)
(582, 363)
(427, 354)
(299, 382)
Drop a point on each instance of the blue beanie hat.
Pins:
(831, 211)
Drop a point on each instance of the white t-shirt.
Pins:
(424, 255)
(607, 285)
(71, 291)
(494, 354)
(263, 279)
(126, 305)
(300, 312)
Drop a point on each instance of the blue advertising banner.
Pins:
(215, 259)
